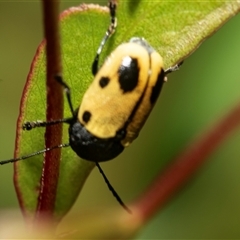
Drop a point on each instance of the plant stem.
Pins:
(53, 134)
(183, 167)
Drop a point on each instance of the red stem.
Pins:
(185, 165)
(53, 134)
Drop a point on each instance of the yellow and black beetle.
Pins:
(118, 102)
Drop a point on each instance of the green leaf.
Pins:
(175, 29)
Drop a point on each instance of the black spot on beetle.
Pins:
(86, 116)
(103, 82)
(128, 74)
(157, 88)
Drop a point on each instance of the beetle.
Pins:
(118, 102)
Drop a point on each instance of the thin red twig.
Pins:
(185, 166)
(53, 135)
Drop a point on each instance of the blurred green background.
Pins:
(207, 86)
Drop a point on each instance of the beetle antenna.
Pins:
(67, 90)
(38, 123)
(33, 154)
(110, 187)
(111, 29)
(34, 124)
